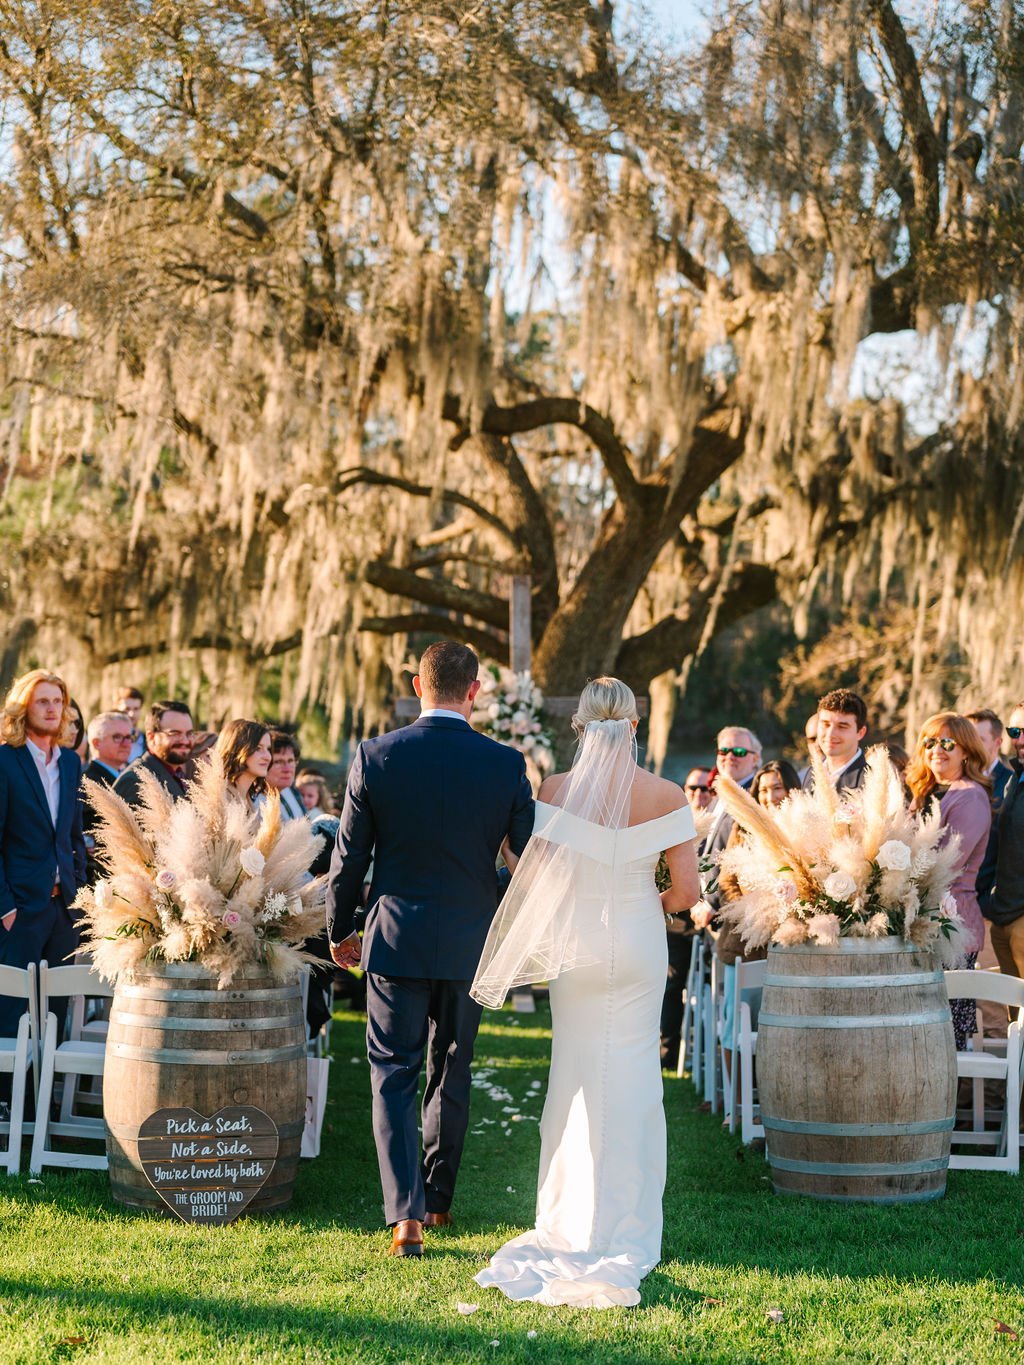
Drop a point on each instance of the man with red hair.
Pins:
(42, 847)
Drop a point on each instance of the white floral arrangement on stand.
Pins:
(825, 865)
(510, 709)
(208, 879)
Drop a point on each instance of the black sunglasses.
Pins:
(737, 751)
(1015, 731)
(696, 787)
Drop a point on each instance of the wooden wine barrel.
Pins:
(856, 1069)
(175, 1040)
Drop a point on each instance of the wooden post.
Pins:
(520, 643)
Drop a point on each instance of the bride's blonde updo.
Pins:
(604, 699)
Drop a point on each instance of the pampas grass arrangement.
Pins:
(207, 879)
(822, 867)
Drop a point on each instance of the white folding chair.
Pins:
(71, 1059)
(17, 1057)
(749, 976)
(688, 1045)
(697, 1018)
(990, 1059)
(712, 1023)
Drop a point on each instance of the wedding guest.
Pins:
(110, 739)
(990, 732)
(738, 757)
(78, 740)
(169, 734)
(314, 794)
(286, 753)
(698, 789)
(42, 847)
(773, 782)
(811, 738)
(771, 786)
(680, 933)
(1005, 909)
(949, 766)
(243, 750)
(842, 724)
(129, 700)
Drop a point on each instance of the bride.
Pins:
(583, 912)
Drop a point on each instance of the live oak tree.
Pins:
(323, 319)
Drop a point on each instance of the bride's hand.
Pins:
(702, 915)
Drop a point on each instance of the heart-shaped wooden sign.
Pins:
(207, 1170)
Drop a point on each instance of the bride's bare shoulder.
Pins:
(550, 787)
(654, 796)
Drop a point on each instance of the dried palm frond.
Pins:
(120, 838)
(154, 811)
(270, 822)
(765, 828)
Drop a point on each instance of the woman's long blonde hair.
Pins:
(16, 704)
(921, 780)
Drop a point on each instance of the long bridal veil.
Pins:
(542, 927)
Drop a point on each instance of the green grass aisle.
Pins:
(80, 1280)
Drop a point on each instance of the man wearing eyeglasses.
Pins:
(738, 755)
(842, 724)
(1005, 910)
(110, 743)
(169, 735)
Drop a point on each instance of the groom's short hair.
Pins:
(448, 670)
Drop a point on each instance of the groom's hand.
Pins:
(348, 951)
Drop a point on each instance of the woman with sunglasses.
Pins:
(949, 766)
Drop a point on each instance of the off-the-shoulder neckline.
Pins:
(549, 805)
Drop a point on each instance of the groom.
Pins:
(432, 804)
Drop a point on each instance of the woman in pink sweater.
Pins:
(949, 766)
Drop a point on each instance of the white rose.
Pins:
(252, 860)
(948, 904)
(894, 856)
(493, 711)
(103, 894)
(840, 886)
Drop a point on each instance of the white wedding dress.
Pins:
(602, 1160)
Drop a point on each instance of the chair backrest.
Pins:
(750, 975)
(985, 985)
(15, 983)
(68, 981)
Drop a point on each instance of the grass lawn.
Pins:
(81, 1280)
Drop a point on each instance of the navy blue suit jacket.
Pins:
(31, 847)
(431, 804)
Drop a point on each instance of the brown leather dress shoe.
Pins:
(407, 1238)
(437, 1220)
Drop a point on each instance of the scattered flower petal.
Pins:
(531, 1336)
(1009, 1331)
(466, 1308)
(775, 1315)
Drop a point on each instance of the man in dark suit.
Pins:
(110, 742)
(842, 724)
(169, 734)
(42, 848)
(1005, 907)
(433, 804)
(990, 732)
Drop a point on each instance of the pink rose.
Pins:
(231, 919)
(166, 880)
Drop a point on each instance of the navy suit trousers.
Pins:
(407, 1018)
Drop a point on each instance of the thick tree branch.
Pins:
(437, 592)
(671, 639)
(924, 144)
(428, 622)
(543, 412)
(361, 474)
